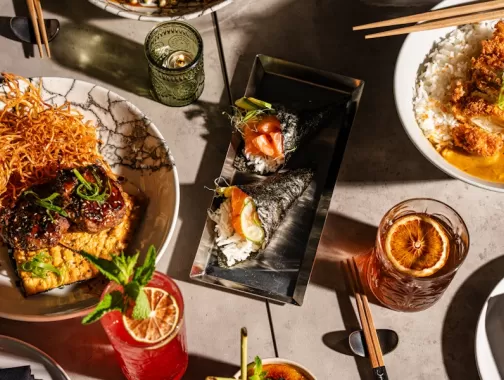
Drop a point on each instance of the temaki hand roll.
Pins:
(272, 133)
(250, 214)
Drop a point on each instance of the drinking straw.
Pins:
(244, 353)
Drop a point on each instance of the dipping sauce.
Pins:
(489, 168)
(281, 371)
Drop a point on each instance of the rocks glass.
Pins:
(174, 51)
(403, 291)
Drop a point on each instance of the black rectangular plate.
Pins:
(282, 271)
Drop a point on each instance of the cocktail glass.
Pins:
(165, 360)
(404, 292)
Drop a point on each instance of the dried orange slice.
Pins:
(417, 245)
(162, 320)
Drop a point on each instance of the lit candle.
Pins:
(178, 59)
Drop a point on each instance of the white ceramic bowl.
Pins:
(155, 13)
(136, 150)
(412, 54)
(305, 371)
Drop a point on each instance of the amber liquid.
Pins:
(404, 292)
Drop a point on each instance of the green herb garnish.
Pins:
(249, 109)
(500, 100)
(39, 267)
(47, 203)
(121, 269)
(91, 191)
(259, 374)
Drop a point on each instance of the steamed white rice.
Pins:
(233, 246)
(263, 164)
(449, 59)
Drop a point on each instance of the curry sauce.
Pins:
(488, 168)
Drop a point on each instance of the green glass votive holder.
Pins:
(174, 51)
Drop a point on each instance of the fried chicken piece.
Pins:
(479, 95)
(477, 141)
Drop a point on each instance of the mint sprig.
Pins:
(121, 269)
(259, 374)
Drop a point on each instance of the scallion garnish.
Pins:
(82, 180)
(47, 203)
(500, 100)
(39, 267)
(91, 191)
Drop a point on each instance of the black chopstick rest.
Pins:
(16, 373)
(380, 373)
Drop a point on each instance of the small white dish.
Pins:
(487, 367)
(413, 53)
(304, 371)
(136, 150)
(16, 353)
(153, 12)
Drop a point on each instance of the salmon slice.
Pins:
(277, 139)
(268, 124)
(237, 202)
(265, 145)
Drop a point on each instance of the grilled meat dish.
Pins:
(86, 214)
(67, 266)
(476, 102)
(83, 199)
(30, 226)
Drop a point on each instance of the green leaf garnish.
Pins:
(259, 374)
(108, 268)
(39, 267)
(110, 302)
(121, 269)
(47, 203)
(91, 191)
(143, 273)
(142, 309)
(500, 100)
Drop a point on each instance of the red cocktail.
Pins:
(154, 348)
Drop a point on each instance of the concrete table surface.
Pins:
(381, 167)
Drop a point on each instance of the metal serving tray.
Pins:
(282, 271)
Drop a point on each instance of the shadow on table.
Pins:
(73, 346)
(105, 56)
(459, 329)
(343, 238)
(82, 12)
(201, 367)
(195, 198)
(20, 10)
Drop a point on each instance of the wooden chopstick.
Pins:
(33, 16)
(441, 24)
(435, 15)
(370, 335)
(40, 16)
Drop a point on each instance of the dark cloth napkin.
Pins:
(16, 373)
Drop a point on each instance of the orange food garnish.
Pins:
(162, 321)
(38, 139)
(417, 245)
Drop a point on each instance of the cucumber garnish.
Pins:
(250, 224)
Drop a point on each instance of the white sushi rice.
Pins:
(449, 59)
(235, 247)
(263, 164)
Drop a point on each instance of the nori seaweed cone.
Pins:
(275, 195)
(297, 127)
